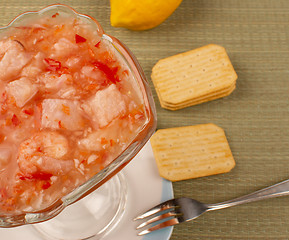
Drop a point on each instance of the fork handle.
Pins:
(277, 190)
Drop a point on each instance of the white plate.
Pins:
(145, 189)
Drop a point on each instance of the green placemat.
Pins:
(255, 116)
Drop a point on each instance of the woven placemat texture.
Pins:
(255, 116)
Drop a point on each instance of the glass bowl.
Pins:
(141, 137)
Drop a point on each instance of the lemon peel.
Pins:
(141, 14)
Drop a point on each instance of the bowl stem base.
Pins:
(93, 217)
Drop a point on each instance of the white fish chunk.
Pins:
(61, 85)
(7, 44)
(92, 142)
(72, 61)
(22, 90)
(105, 105)
(36, 66)
(53, 81)
(13, 59)
(61, 114)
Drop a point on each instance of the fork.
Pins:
(183, 209)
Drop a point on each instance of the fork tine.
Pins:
(168, 223)
(164, 216)
(158, 208)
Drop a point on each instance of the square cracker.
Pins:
(191, 152)
(193, 74)
(203, 99)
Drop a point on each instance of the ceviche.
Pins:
(68, 107)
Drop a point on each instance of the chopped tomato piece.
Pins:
(111, 73)
(53, 65)
(28, 111)
(60, 125)
(15, 120)
(39, 149)
(54, 15)
(36, 176)
(46, 185)
(79, 39)
(97, 45)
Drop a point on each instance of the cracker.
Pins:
(191, 152)
(192, 75)
(207, 98)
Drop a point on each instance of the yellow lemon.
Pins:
(141, 14)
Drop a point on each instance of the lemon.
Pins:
(141, 14)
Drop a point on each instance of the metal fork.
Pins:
(180, 210)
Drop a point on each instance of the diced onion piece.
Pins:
(63, 48)
(91, 158)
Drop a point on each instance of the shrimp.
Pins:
(44, 153)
